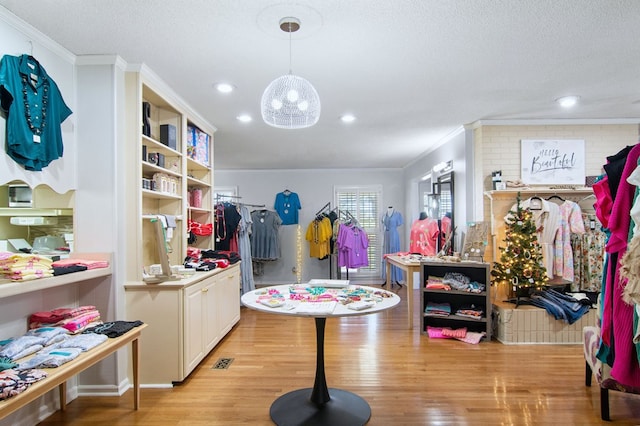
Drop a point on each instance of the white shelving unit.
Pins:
(163, 174)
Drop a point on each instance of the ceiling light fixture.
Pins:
(245, 118)
(224, 87)
(290, 101)
(348, 118)
(568, 101)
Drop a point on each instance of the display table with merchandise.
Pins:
(320, 405)
(57, 377)
(409, 265)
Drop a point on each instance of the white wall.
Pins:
(89, 168)
(17, 38)
(98, 209)
(452, 148)
(315, 189)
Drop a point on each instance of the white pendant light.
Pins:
(290, 101)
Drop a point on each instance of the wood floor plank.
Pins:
(407, 379)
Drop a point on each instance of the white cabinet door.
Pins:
(229, 310)
(193, 334)
(210, 322)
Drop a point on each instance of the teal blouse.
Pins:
(34, 110)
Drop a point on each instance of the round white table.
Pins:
(319, 405)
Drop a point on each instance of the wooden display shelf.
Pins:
(10, 288)
(16, 211)
(57, 377)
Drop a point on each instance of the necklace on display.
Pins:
(27, 107)
(221, 224)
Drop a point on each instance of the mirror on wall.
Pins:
(442, 205)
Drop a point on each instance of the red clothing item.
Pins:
(617, 316)
(423, 237)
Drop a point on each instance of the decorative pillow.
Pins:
(458, 333)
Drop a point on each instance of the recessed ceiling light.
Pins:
(224, 87)
(245, 118)
(568, 101)
(348, 118)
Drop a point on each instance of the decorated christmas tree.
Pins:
(520, 264)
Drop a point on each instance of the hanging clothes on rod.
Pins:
(352, 245)
(319, 234)
(245, 229)
(546, 216)
(226, 221)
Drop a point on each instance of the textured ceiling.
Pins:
(411, 71)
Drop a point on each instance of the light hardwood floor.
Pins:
(406, 378)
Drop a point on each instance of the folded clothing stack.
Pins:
(74, 320)
(24, 267)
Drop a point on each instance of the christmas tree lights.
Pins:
(520, 264)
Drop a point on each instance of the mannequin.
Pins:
(391, 220)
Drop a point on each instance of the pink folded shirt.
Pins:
(90, 264)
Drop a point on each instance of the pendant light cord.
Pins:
(290, 56)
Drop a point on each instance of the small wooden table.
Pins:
(409, 267)
(58, 376)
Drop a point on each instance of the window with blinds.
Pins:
(363, 203)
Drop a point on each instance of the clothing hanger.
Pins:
(555, 197)
(535, 203)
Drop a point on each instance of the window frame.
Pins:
(370, 223)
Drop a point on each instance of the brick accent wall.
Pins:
(497, 147)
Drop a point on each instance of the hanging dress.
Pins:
(265, 238)
(570, 222)
(391, 243)
(244, 248)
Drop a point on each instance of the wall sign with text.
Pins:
(553, 162)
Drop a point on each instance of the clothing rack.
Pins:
(346, 215)
(325, 207)
(220, 196)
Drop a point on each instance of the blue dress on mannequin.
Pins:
(391, 243)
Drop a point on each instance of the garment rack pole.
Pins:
(326, 206)
(219, 196)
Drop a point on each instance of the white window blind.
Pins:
(363, 203)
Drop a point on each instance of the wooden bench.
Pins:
(59, 376)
